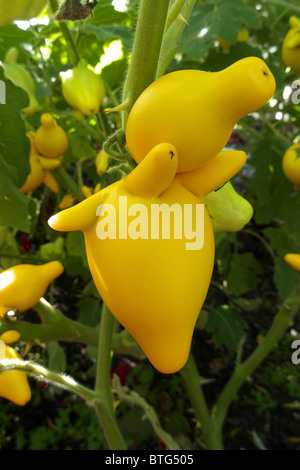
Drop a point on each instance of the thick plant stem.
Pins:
(55, 326)
(69, 182)
(193, 387)
(145, 51)
(244, 370)
(55, 378)
(105, 407)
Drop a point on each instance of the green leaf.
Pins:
(80, 149)
(207, 22)
(53, 250)
(89, 310)
(110, 33)
(75, 246)
(283, 241)
(227, 327)
(191, 42)
(14, 158)
(12, 36)
(284, 276)
(56, 357)
(8, 245)
(14, 206)
(105, 14)
(14, 145)
(274, 196)
(243, 273)
(114, 72)
(91, 48)
(231, 16)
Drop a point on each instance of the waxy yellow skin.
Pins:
(13, 383)
(22, 286)
(50, 139)
(293, 259)
(291, 45)
(154, 287)
(83, 89)
(196, 111)
(291, 164)
(38, 173)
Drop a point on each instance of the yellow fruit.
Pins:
(291, 46)
(20, 10)
(153, 277)
(51, 182)
(86, 191)
(291, 164)
(22, 286)
(50, 139)
(101, 162)
(37, 173)
(83, 89)
(13, 383)
(67, 201)
(196, 111)
(50, 163)
(243, 35)
(10, 336)
(293, 259)
(36, 176)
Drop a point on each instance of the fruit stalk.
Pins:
(105, 407)
(73, 52)
(148, 37)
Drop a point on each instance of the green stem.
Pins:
(146, 49)
(72, 49)
(271, 126)
(192, 382)
(46, 312)
(104, 356)
(69, 182)
(174, 12)
(174, 28)
(134, 399)
(288, 5)
(281, 322)
(104, 124)
(55, 378)
(54, 327)
(262, 240)
(105, 408)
